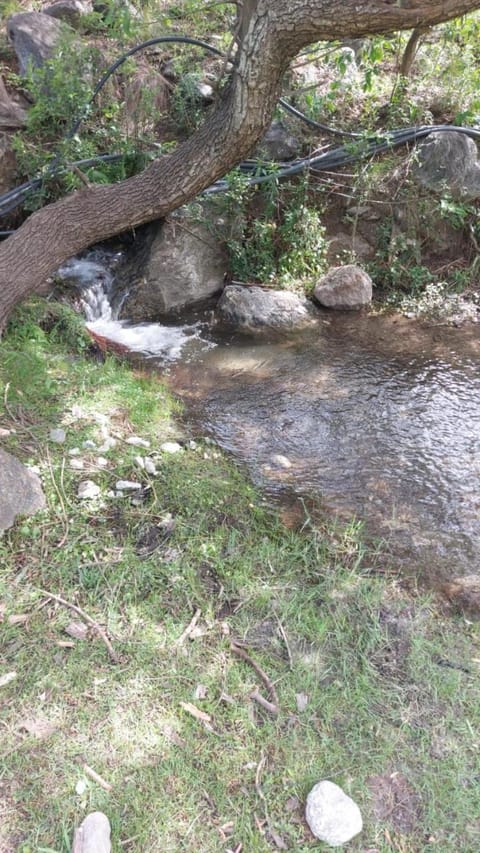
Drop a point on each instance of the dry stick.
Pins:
(241, 653)
(269, 706)
(88, 619)
(188, 630)
(89, 771)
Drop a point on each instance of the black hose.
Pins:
(329, 160)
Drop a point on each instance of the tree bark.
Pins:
(272, 33)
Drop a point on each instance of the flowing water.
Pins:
(377, 417)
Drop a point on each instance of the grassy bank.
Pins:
(375, 686)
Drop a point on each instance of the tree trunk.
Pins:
(272, 33)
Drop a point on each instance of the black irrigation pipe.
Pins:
(329, 160)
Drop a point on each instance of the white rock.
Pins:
(89, 444)
(77, 464)
(74, 451)
(332, 816)
(137, 441)
(127, 485)
(281, 461)
(171, 447)
(93, 835)
(107, 444)
(88, 489)
(149, 465)
(57, 435)
(139, 460)
(102, 462)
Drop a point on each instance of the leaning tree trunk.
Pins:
(271, 34)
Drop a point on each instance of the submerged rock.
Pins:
(344, 288)
(251, 308)
(20, 490)
(332, 815)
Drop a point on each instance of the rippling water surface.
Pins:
(379, 417)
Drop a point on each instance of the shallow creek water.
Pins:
(378, 417)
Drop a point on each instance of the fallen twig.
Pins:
(89, 771)
(188, 630)
(241, 653)
(269, 706)
(88, 619)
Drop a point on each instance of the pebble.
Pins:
(74, 451)
(332, 815)
(88, 489)
(89, 444)
(281, 461)
(137, 441)
(57, 435)
(149, 465)
(127, 485)
(77, 464)
(102, 462)
(139, 460)
(107, 444)
(171, 447)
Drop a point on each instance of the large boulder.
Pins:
(70, 11)
(253, 308)
(34, 37)
(172, 265)
(278, 144)
(345, 288)
(448, 161)
(20, 490)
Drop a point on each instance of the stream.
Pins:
(378, 418)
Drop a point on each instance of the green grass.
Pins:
(312, 606)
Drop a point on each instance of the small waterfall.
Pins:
(93, 277)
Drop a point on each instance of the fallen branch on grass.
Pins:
(89, 621)
(273, 706)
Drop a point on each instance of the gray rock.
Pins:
(127, 486)
(57, 435)
(332, 816)
(93, 835)
(34, 37)
(170, 447)
(344, 288)
(173, 265)
(278, 144)
(20, 490)
(70, 11)
(251, 308)
(448, 160)
(341, 244)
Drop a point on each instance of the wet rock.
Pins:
(34, 37)
(278, 143)
(250, 308)
(332, 816)
(20, 490)
(344, 288)
(448, 161)
(172, 265)
(93, 835)
(70, 11)
(464, 592)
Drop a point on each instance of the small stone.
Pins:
(77, 464)
(102, 462)
(332, 816)
(137, 441)
(57, 435)
(127, 485)
(107, 444)
(281, 461)
(149, 465)
(89, 445)
(139, 460)
(74, 451)
(88, 489)
(170, 447)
